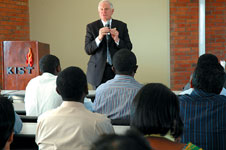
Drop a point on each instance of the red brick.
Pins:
(14, 16)
(185, 44)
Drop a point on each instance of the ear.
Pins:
(191, 84)
(113, 69)
(57, 91)
(9, 141)
(220, 91)
(135, 69)
(58, 69)
(86, 90)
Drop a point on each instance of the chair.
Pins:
(28, 118)
(120, 122)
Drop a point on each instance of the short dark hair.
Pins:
(207, 59)
(130, 141)
(49, 63)
(209, 78)
(124, 62)
(7, 120)
(155, 110)
(71, 83)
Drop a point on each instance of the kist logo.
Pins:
(29, 59)
(22, 70)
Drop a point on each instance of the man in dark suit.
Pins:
(104, 37)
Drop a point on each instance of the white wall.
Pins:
(62, 24)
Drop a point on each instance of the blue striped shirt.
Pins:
(204, 117)
(114, 97)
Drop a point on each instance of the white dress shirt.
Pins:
(70, 127)
(188, 91)
(41, 95)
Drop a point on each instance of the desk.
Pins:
(19, 94)
(30, 129)
(19, 107)
(25, 140)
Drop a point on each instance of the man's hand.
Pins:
(102, 32)
(114, 34)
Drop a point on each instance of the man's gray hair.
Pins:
(107, 2)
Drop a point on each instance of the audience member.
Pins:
(7, 120)
(204, 60)
(155, 113)
(71, 125)
(114, 97)
(40, 94)
(204, 110)
(130, 141)
(18, 124)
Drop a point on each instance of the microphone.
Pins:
(108, 25)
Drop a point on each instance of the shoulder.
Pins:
(33, 83)
(101, 118)
(104, 86)
(139, 85)
(93, 23)
(118, 21)
(46, 115)
(35, 79)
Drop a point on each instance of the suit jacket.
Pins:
(97, 62)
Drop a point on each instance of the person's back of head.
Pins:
(130, 141)
(209, 78)
(50, 64)
(72, 84)
(7, 120)
(124, 62)
(155, 110)
(207, 59)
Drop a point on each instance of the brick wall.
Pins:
(14, 23)
(216, 27)
(183, 40)
(184, 24)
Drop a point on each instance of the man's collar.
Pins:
(104, 23)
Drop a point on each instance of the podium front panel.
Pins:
(20, 62)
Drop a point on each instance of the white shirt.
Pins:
(223, 92)
(41, 95)
(70, 127)
(97, 39)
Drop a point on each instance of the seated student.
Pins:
(130, 141)
(155, 113)
(7, 120)
(40, 94)
(71, 125)
(18, 122)
(204, 110)
(204, 60)
(114, 97)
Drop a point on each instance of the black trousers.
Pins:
(108, 74)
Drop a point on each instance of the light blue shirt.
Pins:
(114, 98)
(18, 124)
(88, 104)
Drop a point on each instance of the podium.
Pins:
(21, 62)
